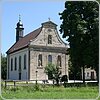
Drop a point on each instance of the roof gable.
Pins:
(42, 38)
(49, 24)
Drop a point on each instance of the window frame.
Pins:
(11, 64)
(19, 62)
(59, 60)
(88, 74)
(49, 39)
(25, 59)
(40, 59)
(15, 63)
(49, 58)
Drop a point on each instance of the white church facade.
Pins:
(30, 54)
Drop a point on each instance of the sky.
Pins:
(32, 15)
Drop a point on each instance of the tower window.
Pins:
(59, 61)
(49, 39)
(15, 63)
(11, 64)
(25, 61)
(49, 59)
(40, 60)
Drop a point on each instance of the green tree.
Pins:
(98, 1)
(80, 25)
(74, 73)
(50, 70)
(53, 72)
(3, 66)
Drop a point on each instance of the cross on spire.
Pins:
(49, 18)
(19, 17)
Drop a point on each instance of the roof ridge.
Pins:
(31, 32)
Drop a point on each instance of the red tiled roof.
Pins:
(24, 41)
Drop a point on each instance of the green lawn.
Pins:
(48, 92)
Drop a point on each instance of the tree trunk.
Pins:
(74, 77)
(57, 82)
(97, 73)
(83, 74)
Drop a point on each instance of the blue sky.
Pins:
(32, 15)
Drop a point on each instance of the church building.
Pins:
(29, 55)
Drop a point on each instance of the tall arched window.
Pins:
(25, 61)
(49, 39)
(11, 64)
(49, 59)
(40, 60)
(19, 62)
(15, 63)
(59, 61)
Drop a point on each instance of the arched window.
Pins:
(59, 61)
(11, 64)
(40, 60)
(25, 61)
(19, 62)
(49, 59)
(49, 39)
(15, 63)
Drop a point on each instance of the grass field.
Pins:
(50, 92)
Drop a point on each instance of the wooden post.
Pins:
(26, 82)
(14, 85)
(5, 83)
(53, 83)
(36, 77)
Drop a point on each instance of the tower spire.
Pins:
(19, 29)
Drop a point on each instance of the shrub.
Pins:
(64, 78)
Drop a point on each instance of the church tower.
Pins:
(19, 30)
